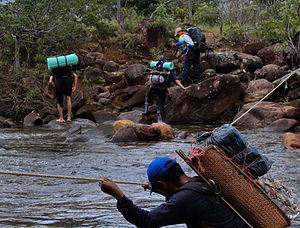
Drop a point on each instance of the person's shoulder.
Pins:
(186, 195)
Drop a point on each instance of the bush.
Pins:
(205, 14)
(269, 30)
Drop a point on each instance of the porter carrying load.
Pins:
(223, 156)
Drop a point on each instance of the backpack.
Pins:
(158, 74)
(198, 38)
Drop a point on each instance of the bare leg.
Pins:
(69, 107)
(60, 111)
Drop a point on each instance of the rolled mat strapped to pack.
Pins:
(167, 65)
(62, 61)
(242, 192)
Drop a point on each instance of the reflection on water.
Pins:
(41, 202)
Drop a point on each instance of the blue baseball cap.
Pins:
(156, 168)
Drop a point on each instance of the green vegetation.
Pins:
(32, 30)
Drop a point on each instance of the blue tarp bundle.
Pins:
(232, 143)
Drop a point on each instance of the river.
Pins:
(46, 202)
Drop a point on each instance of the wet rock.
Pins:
(284, 124)
(77, 138)
(291, 141)
(84, 123)
(72, 130)
(257, 89)
(147, 132)
(125, 134)
(32, 119)
(166, 131)
(122, 123)
(106, 130)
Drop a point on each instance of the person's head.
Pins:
(178, 31)
(163, 174)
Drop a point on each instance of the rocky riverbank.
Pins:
(231, 83)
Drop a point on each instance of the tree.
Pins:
(40, 23)
(190, 11)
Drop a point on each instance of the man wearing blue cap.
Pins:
(189, 200)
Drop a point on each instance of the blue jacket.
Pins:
(185, 206)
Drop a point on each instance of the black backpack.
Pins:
(198, 38)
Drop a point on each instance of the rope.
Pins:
(66, 177)
(285, 78)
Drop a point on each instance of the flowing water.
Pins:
(45, 202)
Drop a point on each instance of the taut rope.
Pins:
(66, 177)
(285, 78)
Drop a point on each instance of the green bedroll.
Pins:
(62, 61)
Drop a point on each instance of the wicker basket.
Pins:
(239, 190)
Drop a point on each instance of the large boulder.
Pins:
(166, 131)
(136, 100)
(86, 112)
(205, 102)
(268, 56)
(147, 132)
(266, 70)
(125, 134)
(135, 116)
(253, 48)
(32, 119)
(257, 89)
(122, 123)
(78, 100)
(265, 113)
(135, 74)
(250, 62)
(284, 124)
(223, 62)
(291, 141)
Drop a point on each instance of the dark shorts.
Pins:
(63, 86)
